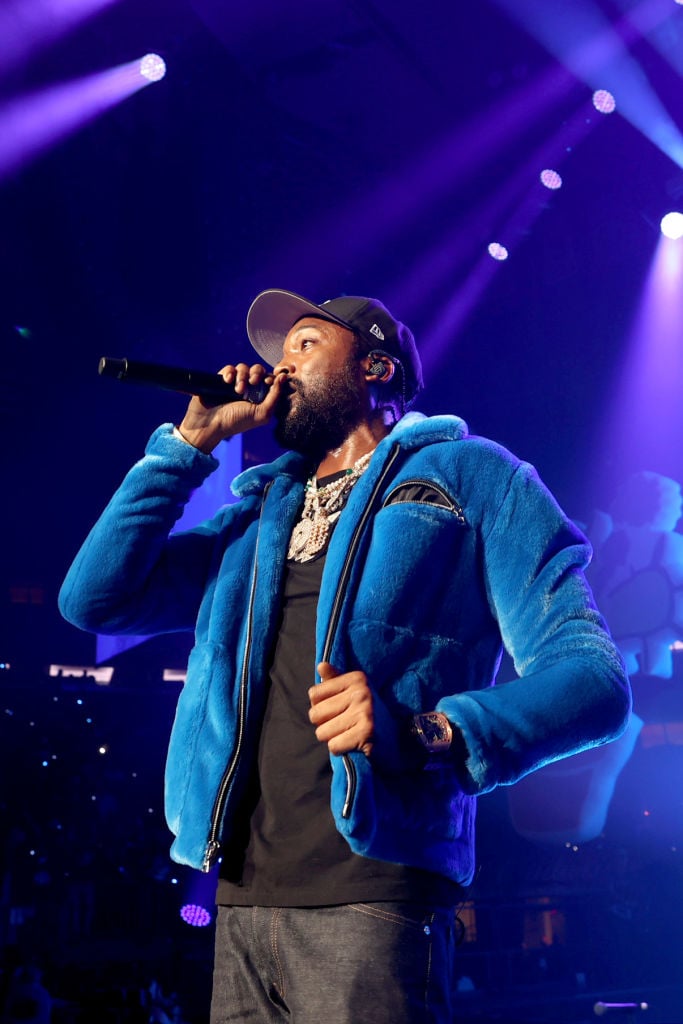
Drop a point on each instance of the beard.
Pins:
(322, 413)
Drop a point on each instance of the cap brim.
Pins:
(271, 317)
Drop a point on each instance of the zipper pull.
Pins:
(210, 856)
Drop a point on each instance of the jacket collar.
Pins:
(414, 430)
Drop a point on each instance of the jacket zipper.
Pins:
(349, 767)
(451, 504)
(213, 846)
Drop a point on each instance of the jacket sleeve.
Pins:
(572, 691)
(132, 575)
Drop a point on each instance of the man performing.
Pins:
(338, 719)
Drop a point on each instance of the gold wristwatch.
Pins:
(433, 730)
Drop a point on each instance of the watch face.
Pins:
(432, 729)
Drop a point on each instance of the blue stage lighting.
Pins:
(672, 225)
(604, 101)
(193, 914)
(497, 251)
(551, 179)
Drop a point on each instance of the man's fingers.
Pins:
(329, 685)
(346, 732)
(328, 706)
(341, 710)
(352, 739)
(242, 374)
(327, 671)
(276, 384)
(354, 684)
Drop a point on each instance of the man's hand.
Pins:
(204, 426)
(341, 710)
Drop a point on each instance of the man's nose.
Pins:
(284, 366)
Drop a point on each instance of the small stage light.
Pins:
(551, 179)
(672, 224)
(604, 101)
(198, 917)
(152, 67)
(497, 251)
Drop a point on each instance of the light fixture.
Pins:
(497, 251)
(604, 102)
(152, 67)
(672, 225)
(551, 179)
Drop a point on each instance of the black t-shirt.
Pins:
(294, 855)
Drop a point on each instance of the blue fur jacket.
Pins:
(448, 549)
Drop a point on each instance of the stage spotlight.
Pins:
(604, 101)
(35, 122)
(551, 179)
(497, 251)
(198, 897)
(672, 223)
(152, 67)
(193, 914)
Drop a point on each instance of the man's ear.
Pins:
(379, 368)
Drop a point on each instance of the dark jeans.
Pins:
(362, 963)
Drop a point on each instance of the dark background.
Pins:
(285, 147)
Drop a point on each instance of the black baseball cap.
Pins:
(274, 312)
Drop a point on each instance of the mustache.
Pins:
(290, 387)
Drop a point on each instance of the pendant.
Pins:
(301, 534)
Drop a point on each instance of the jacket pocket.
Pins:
(422, 819)
(411, 670)
(424, 492)
(202, 738)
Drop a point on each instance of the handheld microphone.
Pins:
(209, 386)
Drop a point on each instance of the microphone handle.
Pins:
(209, 386)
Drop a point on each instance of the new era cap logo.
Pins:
(377, 331)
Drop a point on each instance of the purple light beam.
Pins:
(652, 20)
(596, 52)
(451, 317)
(505, 215)
(35, 122)
(29, 26)
(370, 222)
(644, 424)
